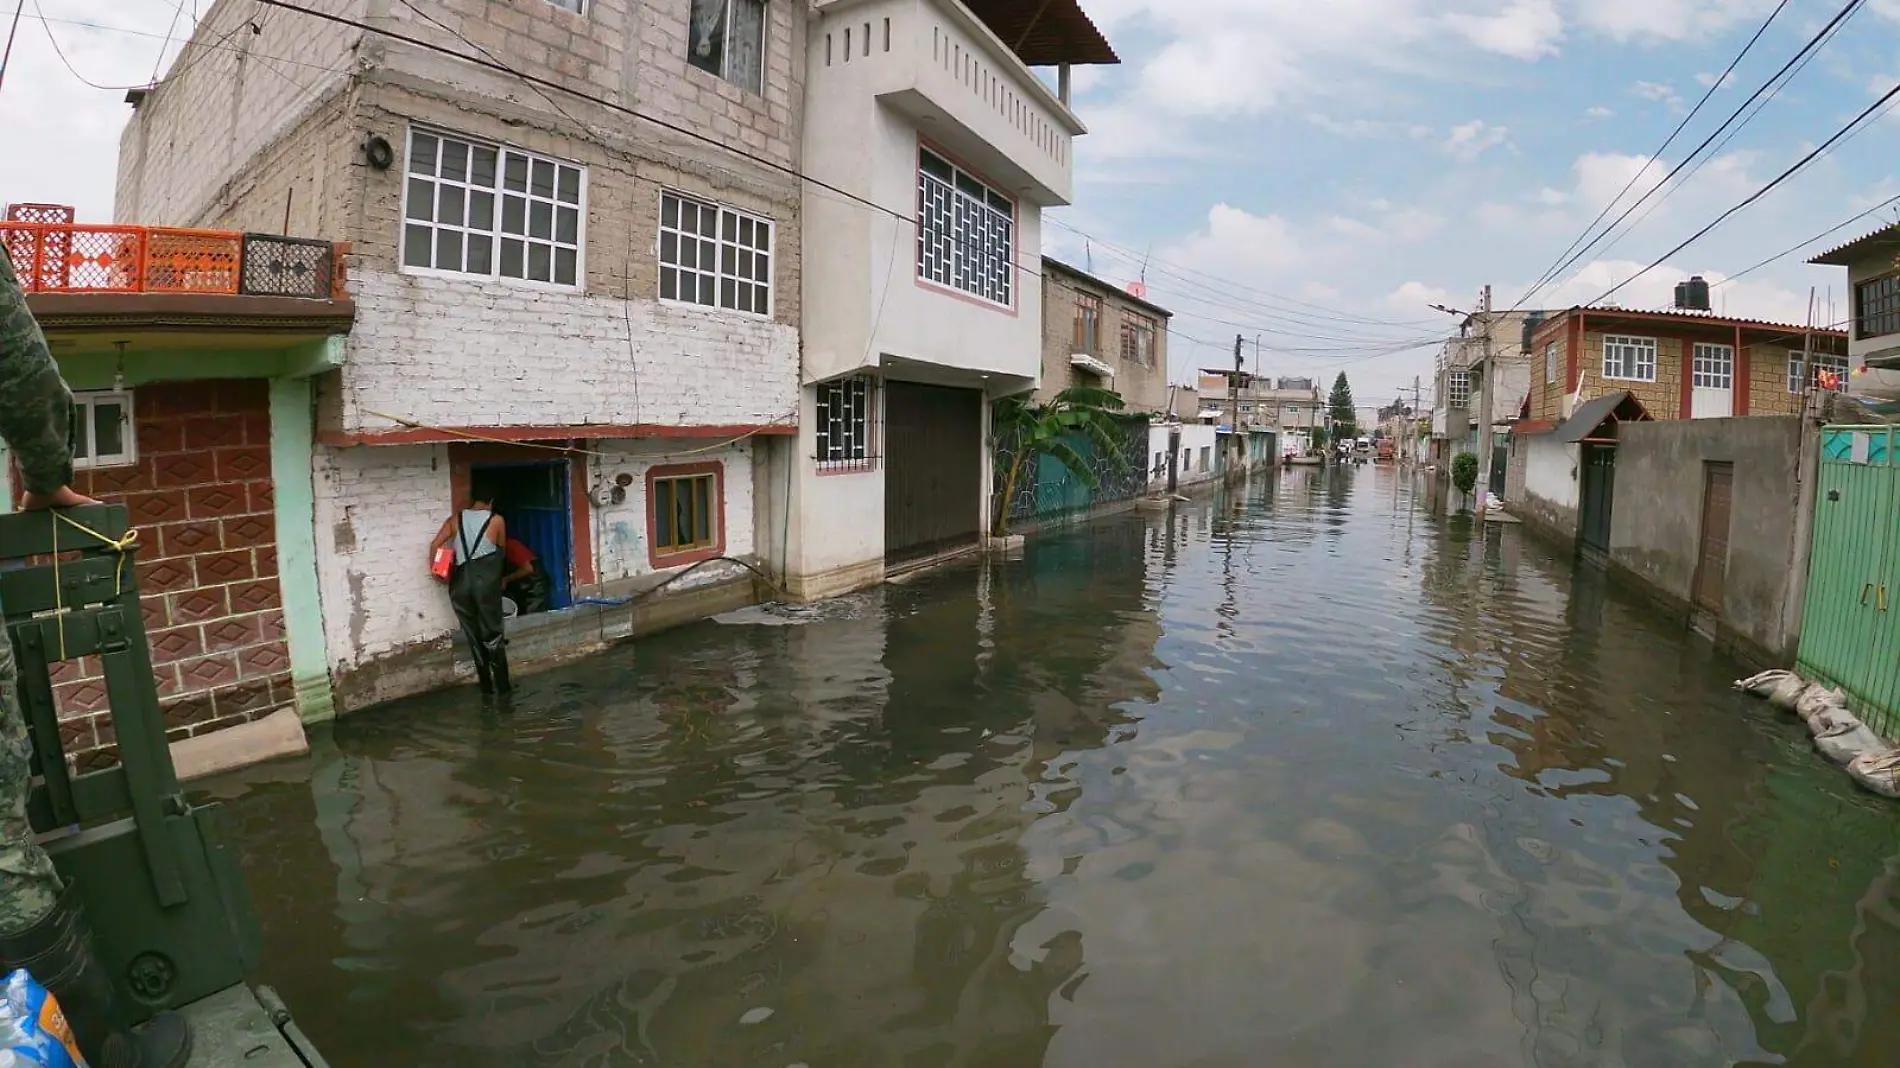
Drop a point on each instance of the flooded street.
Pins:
(1298, 775)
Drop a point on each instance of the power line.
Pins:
(1797, 246)
(1759, 193)
(1554, 268)
(208, 46)
(1812, 45)
(178, 11)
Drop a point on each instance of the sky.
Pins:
(1315, 174)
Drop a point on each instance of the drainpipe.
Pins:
(1174, 456)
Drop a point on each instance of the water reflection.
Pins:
(1296, 774)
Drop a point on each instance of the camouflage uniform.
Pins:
(35, 420)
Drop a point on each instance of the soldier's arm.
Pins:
(35, 405)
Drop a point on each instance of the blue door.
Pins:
(538, 510)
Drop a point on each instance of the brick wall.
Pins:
(623, 527)
(202, 498)
(1663, 397)
(226, 98)
(1144, 389)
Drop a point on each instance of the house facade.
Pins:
(1595, 369)
(937, 152)
(585, 288)
(1464, 374)
(192, 357)
(1291, 407)
(1095, 334)
(1873, 322)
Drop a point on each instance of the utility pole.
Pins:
(1411, 423)
(1233, 402)
(1485, 409)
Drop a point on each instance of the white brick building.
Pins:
(599, 310)
(937, 148)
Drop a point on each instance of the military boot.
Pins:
(57, 951)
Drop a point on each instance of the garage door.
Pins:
(933, 486)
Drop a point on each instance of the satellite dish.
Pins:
(1138, 290)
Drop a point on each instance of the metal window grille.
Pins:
(1088, 324)
(285, 267)
(714, 256)
(1457, 390)
(1712, 367)
(1631, 358)
(1877, 307)
(965, 231)
(103, 431)
(1822, 361)
(1550, 363)
(846, 424)
(474, 208)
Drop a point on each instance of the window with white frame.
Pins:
(1550, 363)
(1458, 389)
(1712, 366)
(1822, 361)
(1630, 358)
(714, 256)
(578, 7)
(965, 231)
(846, 436)
(102, 434)
(726, 38)
(482, 209)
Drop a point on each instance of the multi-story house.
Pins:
(1595, 368)
(574, 248)
(930, 151)
(1873, 281)
(1463, 376)
(1095, 334)
(1292, 407)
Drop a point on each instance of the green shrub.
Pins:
(1464, 472)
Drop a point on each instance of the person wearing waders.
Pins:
(42, 928)
(475, 585)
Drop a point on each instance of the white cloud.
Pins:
(1469, 140)
(1599, 112)
(1707, 79)
(1236, 243)
(1652, 21)
(1527, 30)
(1552, 197)
(1412, 298)
(1661, 92)
(1747, 299)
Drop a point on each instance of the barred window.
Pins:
(714, 256)
(481, 209)
(1457, 389)
(1822, 361)
(965, 231)
(1138, 340)
(846, 441)
(1632, 358)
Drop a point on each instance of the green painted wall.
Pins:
(292, 442)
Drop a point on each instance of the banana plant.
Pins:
(1020, 429)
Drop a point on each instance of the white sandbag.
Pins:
(1816, 699)
(1879, 772)
(1759, 684)
(1783, 693)
(1842, 738)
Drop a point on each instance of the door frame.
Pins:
(1711, 469)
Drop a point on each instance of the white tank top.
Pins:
(474, 533)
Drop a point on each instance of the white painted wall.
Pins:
(1550, 470)
(457, 352)
(620, 530)
(1194, 438)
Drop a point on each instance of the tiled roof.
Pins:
(1889, 234)
(1711, 318)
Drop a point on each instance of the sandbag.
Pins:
(1879, 772)
(1760, 684)
(1785, 692)
(1816, 699)
(1842, 738)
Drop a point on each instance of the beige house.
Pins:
(1097, 334)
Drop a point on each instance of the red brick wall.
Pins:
(201, 496)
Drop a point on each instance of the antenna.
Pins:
(1088, 256)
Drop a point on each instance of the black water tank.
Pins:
(1531, 323)
(1693, 295)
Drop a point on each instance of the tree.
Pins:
(1345, 421)
(1019, 430)
(1464, 473)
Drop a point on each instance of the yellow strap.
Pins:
(122, 545)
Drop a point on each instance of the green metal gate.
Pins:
(1848, 636)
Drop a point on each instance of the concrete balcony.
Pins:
(935, 63)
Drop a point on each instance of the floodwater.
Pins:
(1300, 775)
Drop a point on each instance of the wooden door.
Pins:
(1597, 492)
(933, 480)
(1711, 572)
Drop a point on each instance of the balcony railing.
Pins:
(78, 258)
